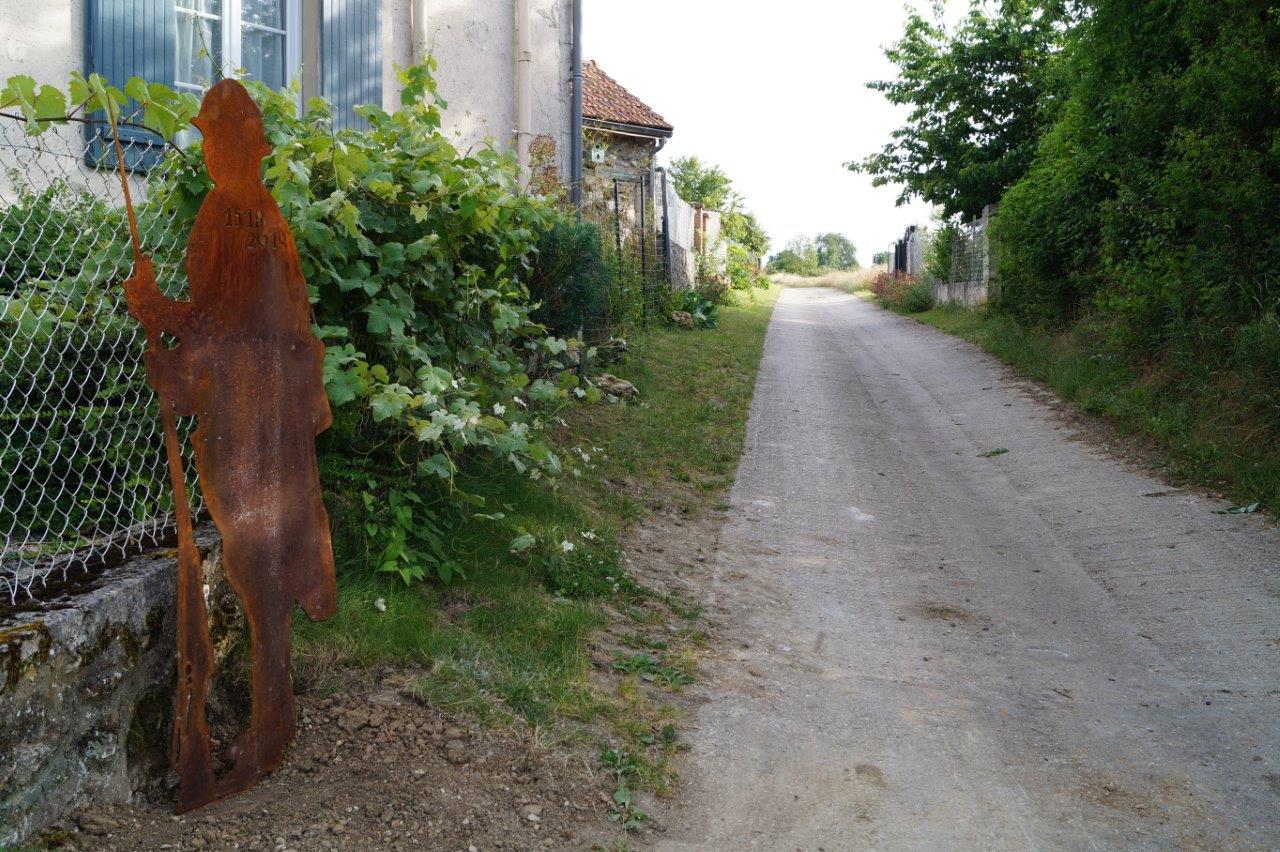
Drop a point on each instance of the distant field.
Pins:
(852, 281)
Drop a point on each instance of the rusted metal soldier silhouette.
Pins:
(248, 366)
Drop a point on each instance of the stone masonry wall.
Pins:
(86, 692)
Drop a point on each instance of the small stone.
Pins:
(93, 822)
(353, 721)
(455, 751)
(617, 387)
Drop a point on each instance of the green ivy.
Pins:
(416, 257)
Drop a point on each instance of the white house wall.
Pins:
(44, 40)
(473, 41)
(474, 44)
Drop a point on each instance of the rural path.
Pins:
(1040, 649)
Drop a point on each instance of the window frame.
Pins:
(232, 42)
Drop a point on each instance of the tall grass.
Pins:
(850, 281)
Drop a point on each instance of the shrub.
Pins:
(704, 311)
(1153, 198)
(938, 255)
(891, 287)
(570, 278)
(918, 297)
(416, 257)
(714, 289)
(42, 232)
(740, 267)
(1047, 231)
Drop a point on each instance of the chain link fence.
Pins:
(83, 480)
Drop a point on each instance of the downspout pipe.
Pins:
(666, 230)
(575, 111)
(666, 218)
(524, 92)
(421, 37)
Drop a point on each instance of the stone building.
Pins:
(622, 138)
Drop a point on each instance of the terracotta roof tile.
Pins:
(604, 99)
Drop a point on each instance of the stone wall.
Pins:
(86, 691)
(629, 161)
(967, 293)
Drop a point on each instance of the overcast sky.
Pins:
(773, 94)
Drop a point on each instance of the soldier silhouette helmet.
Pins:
(229, 99)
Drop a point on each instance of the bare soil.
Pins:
(377, 770)
(373, 768)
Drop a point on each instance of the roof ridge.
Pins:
(605, 99)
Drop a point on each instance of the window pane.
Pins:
(199, 47)
(263, 56)
(207, 7)
(267, 13)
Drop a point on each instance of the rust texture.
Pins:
(240, 356)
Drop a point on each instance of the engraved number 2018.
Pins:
(260, 239)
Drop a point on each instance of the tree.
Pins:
(1153, 199)
(742, 227)
(880, 258)
(836, 251)
(980, 99)
(745, 242)
(698, 184)
(799, 257)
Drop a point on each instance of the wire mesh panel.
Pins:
(631, 230)
(83, 480)
(968, 250)
(971, 257)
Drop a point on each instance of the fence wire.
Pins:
(630, 221)
(968, 250)
(83, 479)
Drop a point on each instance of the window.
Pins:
(216, 37)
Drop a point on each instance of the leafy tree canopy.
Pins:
(836, 251)
(814, 255)
(799, 257)
(697, 183)
(742, 227)
(980, 98)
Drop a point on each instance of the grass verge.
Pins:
(1212, 423)
(511, 642)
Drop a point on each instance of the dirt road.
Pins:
(1039, 649)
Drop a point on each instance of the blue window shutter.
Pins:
(351, 57)
(129, 38)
